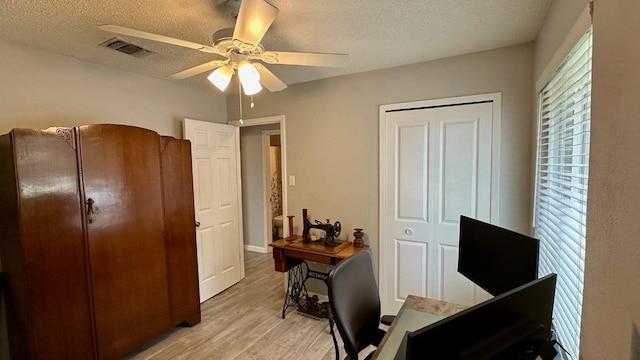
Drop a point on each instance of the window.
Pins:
(561, 185)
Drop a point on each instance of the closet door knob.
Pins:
(197, 223)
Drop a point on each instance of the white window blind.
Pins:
(561, 186)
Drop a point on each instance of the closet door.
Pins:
(124, 221)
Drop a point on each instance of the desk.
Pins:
(289, 253)
(436, 308)
(292, 255)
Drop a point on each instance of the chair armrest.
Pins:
(387, 319)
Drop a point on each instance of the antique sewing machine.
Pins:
(331, 231)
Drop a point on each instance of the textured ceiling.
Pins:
(376, 34)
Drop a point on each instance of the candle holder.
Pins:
(291, 234)
(358, 234)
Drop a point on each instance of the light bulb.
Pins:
(251, 88)
(248, 72)
(249, 77)
(221, 77)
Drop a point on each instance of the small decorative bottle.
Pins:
(358, 234)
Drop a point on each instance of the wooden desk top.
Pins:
(342, 251)
(284, 251)
(426, 305)
(431, 306)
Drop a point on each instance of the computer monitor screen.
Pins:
(504, 327)
(494, 258)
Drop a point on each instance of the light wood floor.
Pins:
(244, 323)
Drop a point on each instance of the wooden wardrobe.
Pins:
(98, 240)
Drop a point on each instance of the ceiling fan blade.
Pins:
(159, 38)
(268, 79)
(308, 59)
(197, 69)
(254, 19)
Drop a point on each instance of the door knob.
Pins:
(408, 231)
(197, 223)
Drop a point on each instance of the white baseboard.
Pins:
(256, 249)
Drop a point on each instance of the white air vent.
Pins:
(125, 47)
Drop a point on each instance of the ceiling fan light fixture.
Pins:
(249, 77)
(251, 88)
(221, 77)
(248, 72)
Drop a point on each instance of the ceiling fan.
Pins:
(241, 51)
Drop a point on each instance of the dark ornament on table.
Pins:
(292, 236)
(358, 234)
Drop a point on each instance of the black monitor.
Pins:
(494, 258)
(505, 327)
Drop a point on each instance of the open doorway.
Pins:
(263, 172)
(272, 160)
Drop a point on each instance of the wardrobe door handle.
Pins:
(90, 210)
(90, 203)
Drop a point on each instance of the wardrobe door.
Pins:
(42, 248)
(123, 205)
(180, 233)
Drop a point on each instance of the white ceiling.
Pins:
(377, 34)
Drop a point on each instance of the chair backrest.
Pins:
(354, 302)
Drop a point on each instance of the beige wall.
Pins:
(332, 132)
(40, 89)
(611, 312)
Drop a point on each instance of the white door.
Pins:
(218, 202)
(437, 165)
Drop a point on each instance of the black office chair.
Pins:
(355, 304)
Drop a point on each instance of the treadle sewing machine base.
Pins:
(300, 272)
(297, 292)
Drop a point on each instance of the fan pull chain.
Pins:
(240, 97)
(252, 101)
